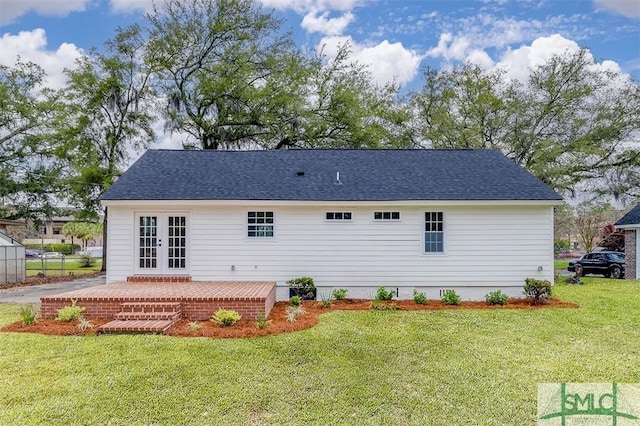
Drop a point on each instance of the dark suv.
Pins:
(607, 263)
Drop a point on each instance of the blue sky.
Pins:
(395, 37)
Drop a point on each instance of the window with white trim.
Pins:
(433, 232)
(260, 224)
(338, 216)
(386, 215)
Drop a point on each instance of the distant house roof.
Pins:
(328, 175)
(9, 222)
(631, 218)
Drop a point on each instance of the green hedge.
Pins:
(64, 248)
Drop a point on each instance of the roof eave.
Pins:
(628, 226)
(178, 203)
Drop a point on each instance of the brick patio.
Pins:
(198, 299)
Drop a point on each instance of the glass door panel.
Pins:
(161, 244)
(177, 247)
(148, 242)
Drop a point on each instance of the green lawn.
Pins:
(561, 265)
(53, 266)
(374, 367)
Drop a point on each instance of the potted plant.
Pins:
(302, 287)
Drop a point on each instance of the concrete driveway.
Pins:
(32, 294)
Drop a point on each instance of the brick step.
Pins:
(124, 316)
(137, 326)
(150, 306)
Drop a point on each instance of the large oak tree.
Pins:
(219, 63)
(109, 117)
(28, 172)
(570, 122)
(233, 80)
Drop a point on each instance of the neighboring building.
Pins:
(51, 233)
(630, 224)
(52, 230)
(5, 223)
(431, 220)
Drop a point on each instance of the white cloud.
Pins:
(628, 8)
(168, 140)
(460, 49)
(461, 39)
(450, 47)
(386, 61)
(305, 6)
(515, 62)
(480, 58)
(32, 46)
(325, 25)
(130, 6)
(299, 6)
(518, 62)
(612, 66)
(12, 9)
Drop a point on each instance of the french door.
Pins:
(162, 243)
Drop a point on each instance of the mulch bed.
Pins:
(278, 322)
(50, 279)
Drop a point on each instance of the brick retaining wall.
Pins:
(194, 307)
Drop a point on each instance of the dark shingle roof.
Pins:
(365, 175)
(631, 218)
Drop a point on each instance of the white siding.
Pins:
(120, 243)
(485, 248)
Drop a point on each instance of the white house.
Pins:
(630, 224)
(431, 220)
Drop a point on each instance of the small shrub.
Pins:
(194, 325)
(64, 248)
(28, 315)
(84, 324)
(537, 291)
(450, 297)
(295, 300)
(303, 287)
(340, 293)
(419, 298)
(70, 313)
(496, 298)
(226, 317)
(325, 300)
(293, 312)
(261, 321)
(383, 305)
(560, 244)
(86, 261)
(384, 294)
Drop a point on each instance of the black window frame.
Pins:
(386, 216)
(260, 224)
(335, 216)
(433, 242)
